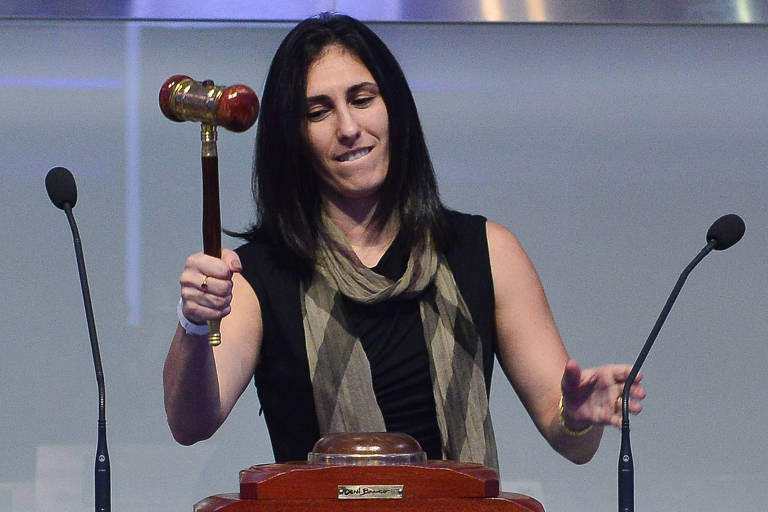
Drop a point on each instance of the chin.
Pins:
(355, 190)
(360, 193)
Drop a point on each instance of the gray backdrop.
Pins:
(607, 149)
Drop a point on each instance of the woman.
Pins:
(359, 302)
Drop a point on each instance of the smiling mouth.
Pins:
(354, 155)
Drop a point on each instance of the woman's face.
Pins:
(347, 125)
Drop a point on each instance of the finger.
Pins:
(620, 372)
(571, 375)
(207, 276)
(212, 286)
(208, 266)
(232, 260)
(611, 418)
(200, 313)
(635, 407)
(208, 300)
(195, 283)
(637, 391)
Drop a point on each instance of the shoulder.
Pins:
(265, 251)
(513, 272)
(262, 253)
(501, 240)
(255, 255)
(470, 230)
(459, 222)
(464, 231)
(265, 264)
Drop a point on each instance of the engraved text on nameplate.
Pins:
(357, 492)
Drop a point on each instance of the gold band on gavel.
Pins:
(196, 101)
(214, 334)
(208, 137)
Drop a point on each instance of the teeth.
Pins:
(349, 157)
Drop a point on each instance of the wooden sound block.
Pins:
(370, 472)
(431, 487)
(436, 478)
(504, 502)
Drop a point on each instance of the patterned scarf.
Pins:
(340, 371)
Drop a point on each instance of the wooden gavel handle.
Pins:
(211, 210)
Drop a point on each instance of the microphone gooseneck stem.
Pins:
(626, 472)
(211, 208)
(102, 469)
(626, 464)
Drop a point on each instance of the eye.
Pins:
(317, 114)
(363, 101)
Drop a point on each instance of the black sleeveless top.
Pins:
(390, 332)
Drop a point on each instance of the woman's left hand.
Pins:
(593, 396)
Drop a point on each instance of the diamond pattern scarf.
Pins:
(340, 371)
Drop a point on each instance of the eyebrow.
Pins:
(350, 90)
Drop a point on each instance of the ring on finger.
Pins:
(618, 404)
(204, 284)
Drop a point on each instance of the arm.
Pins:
(202, 383)
(536, 363)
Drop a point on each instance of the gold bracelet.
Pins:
(569, 431)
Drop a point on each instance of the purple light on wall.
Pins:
(58, 82)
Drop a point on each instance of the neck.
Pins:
(368, 238)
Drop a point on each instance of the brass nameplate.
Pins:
(365, 492)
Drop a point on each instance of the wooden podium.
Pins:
(373, 472)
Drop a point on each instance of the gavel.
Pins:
(235, 108)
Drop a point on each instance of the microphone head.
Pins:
(726, 231)
(61, 187)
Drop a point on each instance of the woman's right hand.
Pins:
(201, 383)
(206, 286)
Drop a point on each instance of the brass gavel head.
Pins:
(235, 107)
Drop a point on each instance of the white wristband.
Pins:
(189, 326)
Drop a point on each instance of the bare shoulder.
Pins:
(505, 250)
(499, 237)
(515, 281)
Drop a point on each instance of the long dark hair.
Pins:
(285, 186)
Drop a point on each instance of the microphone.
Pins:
(61, 187)
(62, 190)
(183, 99)
(724, 232)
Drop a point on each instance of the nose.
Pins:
(348, 129)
